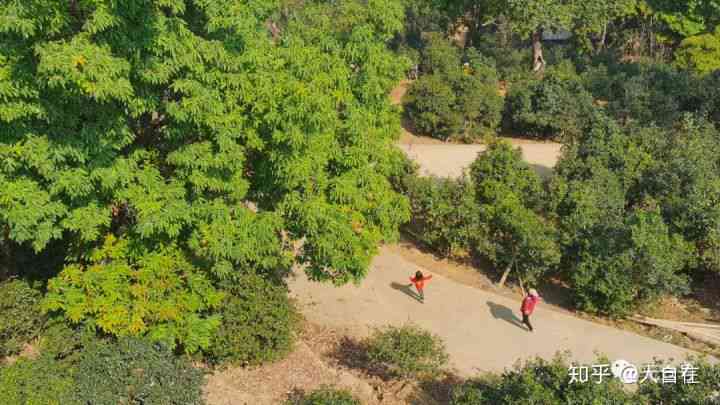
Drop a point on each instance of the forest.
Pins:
(165, 165)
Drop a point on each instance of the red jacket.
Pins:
(420, 284)
(528, 304)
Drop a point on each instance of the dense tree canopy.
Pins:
(201, 141)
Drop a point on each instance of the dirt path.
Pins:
(450, 160)
(480, 329)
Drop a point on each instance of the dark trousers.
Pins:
(421, 294)
(526, 321)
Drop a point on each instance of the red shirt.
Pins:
(528, 304)
(420, 283)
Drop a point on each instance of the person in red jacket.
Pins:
(528, 306)
(419, 281)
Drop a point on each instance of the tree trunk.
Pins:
(538, 60)
(603, 38)
(505, 274)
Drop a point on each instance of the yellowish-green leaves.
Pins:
(157, 294)
(700, 53)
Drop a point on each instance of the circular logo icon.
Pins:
(624, 371)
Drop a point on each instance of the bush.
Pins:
(548, 382)
(540, 382)
(407, 352)
(326, 396)
(429, 104)
(443, 213)
(41, 381)
(551, 108)
(453, 100)
(703, 392)
(513, 63)
(136, 371)
(20, 315)
(65, 342)
(258, 323)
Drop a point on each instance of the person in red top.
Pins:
(528, 306)
(419, 281)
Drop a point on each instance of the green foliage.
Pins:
(509, 194)
(512, 63)
(407, 351)
(327, 396)
(444, 213)
(539, 381)
(430, 105)
(700, 53)
(135, 371)
(637, 261)
(452, 100)
(528, 16)
(200, 141)
(41, 381)
(423, 16)
(65, 342)
(650, 93)
(555, 107)
(616, 204)
(258, 323)
(157, 294)
(20, 315)
(687, 18)
(703, 392)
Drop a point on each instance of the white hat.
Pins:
(534, 292)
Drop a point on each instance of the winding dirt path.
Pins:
(481, 329)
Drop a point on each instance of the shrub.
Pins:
(326, 396)
(65, 342)
(41, 381)
(513, 63)
(645, 93)
(540, 382)
(136, 371)
(407, 352)
(20, 315)
(258, 323)
(702, 392)
(443, 213)
(439, 55)
(429, 104)
(549, 108)
(453, 100)
(700, 52)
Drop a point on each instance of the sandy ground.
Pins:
(481, 329)
(444, 159)
(451, 160)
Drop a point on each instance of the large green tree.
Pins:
(207, 136)
(509, 194)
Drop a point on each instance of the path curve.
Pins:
(450, 160)
(479, 328)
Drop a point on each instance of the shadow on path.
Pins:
(506, 314)
(407, 289)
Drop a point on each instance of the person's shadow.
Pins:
(407, 289)
(506, 314)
